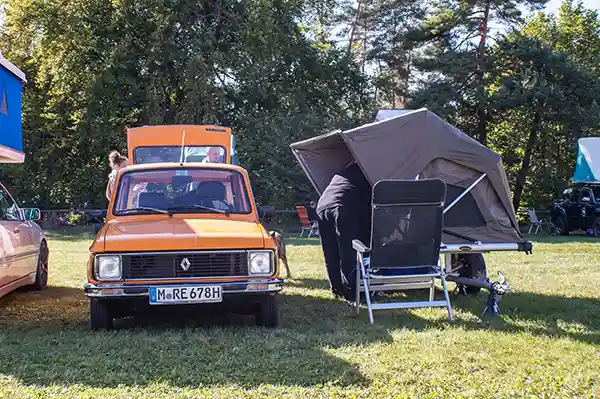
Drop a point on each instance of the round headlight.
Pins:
(260, 263)
(108, 267)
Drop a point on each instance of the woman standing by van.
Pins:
(116, 162)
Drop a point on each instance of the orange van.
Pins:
(182, 234)
(181, 144)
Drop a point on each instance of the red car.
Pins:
(23, 247)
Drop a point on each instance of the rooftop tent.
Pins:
(11, 135)
(587, 168)
(418, 144)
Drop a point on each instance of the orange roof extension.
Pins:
(173, 135)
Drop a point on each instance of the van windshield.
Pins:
(182, 190)
(159, 154)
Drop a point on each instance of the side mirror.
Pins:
(266, 211)
(31, 214)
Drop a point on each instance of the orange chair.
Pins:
(307, 225)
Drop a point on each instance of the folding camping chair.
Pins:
(307, 225)
(536, 223)
(405, 244)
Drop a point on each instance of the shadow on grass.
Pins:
(310, 283)
(540, 314)
(46, 341)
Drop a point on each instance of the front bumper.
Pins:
(122, 290)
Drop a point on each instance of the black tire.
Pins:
(268, 312)
(101, 317)
(596, 227)
(41, 274)
(560, 226)
(475, 268)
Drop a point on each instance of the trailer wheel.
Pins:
(597, 227)
(473, 267)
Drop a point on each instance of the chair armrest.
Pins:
(359, 246)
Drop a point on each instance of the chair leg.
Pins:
(443, 277)
(530, 228)
(359, 260)
(432, 290)
(367, 292)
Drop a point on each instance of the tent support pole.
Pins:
(465, 192)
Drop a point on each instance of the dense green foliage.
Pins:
(279, 71)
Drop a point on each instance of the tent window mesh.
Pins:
(465, 213)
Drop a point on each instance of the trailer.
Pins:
(417, 144)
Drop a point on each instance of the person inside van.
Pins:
(213, 155)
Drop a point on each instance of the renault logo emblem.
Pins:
(185, 264)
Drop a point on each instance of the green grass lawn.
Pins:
(546, 343)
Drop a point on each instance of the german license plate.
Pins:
(186, 294)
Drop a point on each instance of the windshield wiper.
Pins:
(171, 209)
(143, 209)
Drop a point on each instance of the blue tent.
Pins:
(11, 135)
(587, 169)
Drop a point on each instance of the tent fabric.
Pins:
(419, 144)
(587, 168)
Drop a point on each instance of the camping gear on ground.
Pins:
(405, 244)
(479, 215)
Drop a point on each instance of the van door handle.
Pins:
(17, 231)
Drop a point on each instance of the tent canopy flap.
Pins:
(419, 143)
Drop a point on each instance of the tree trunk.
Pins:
(524, 170)
(353, 28)
(481, 105)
